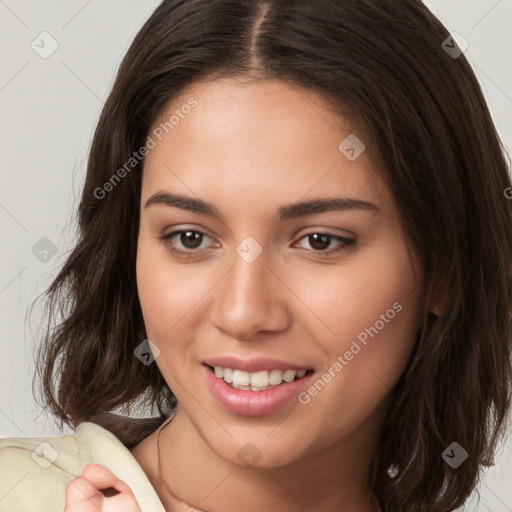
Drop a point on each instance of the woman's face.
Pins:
(270, 248)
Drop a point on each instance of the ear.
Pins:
(439, 300)
(435, 310)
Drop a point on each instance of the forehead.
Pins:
(265, 134)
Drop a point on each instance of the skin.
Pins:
(249, 147)
(84, 493)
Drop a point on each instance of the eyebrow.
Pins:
(289, 211)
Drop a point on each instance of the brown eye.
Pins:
(186, 242)
(190, 239)
(319, 242)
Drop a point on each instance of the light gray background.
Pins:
(48, 110)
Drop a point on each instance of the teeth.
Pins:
(289, 375)
(257, 381)
(260, 379)
(241, 378)
(276, 377)
(228, 374)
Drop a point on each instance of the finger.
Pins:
(120, 503)
(81, 496)
(103, 479)
(109, 492)
(117, 493)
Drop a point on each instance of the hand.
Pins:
(98, 489)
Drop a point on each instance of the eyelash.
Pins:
(345, 243)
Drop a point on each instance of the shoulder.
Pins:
(35, 472)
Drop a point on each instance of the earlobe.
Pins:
(439, 301)
(435, 311)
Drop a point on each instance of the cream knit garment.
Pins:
(35, 472)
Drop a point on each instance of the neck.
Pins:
(191, 476)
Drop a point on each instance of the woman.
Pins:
(293, 250)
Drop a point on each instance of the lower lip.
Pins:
(254, 403)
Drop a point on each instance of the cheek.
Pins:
(170, 295)
(372, 308)
(352, 296)
(376, 316)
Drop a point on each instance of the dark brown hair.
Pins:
(424, 114)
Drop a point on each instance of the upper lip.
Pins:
(253, 365)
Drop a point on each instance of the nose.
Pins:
(251, 300)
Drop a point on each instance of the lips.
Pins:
(247, 400)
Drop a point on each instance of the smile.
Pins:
(255, 387)
(256, 381)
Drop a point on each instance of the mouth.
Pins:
(259, 392)
(262, 380)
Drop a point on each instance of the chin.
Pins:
(259, 452)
